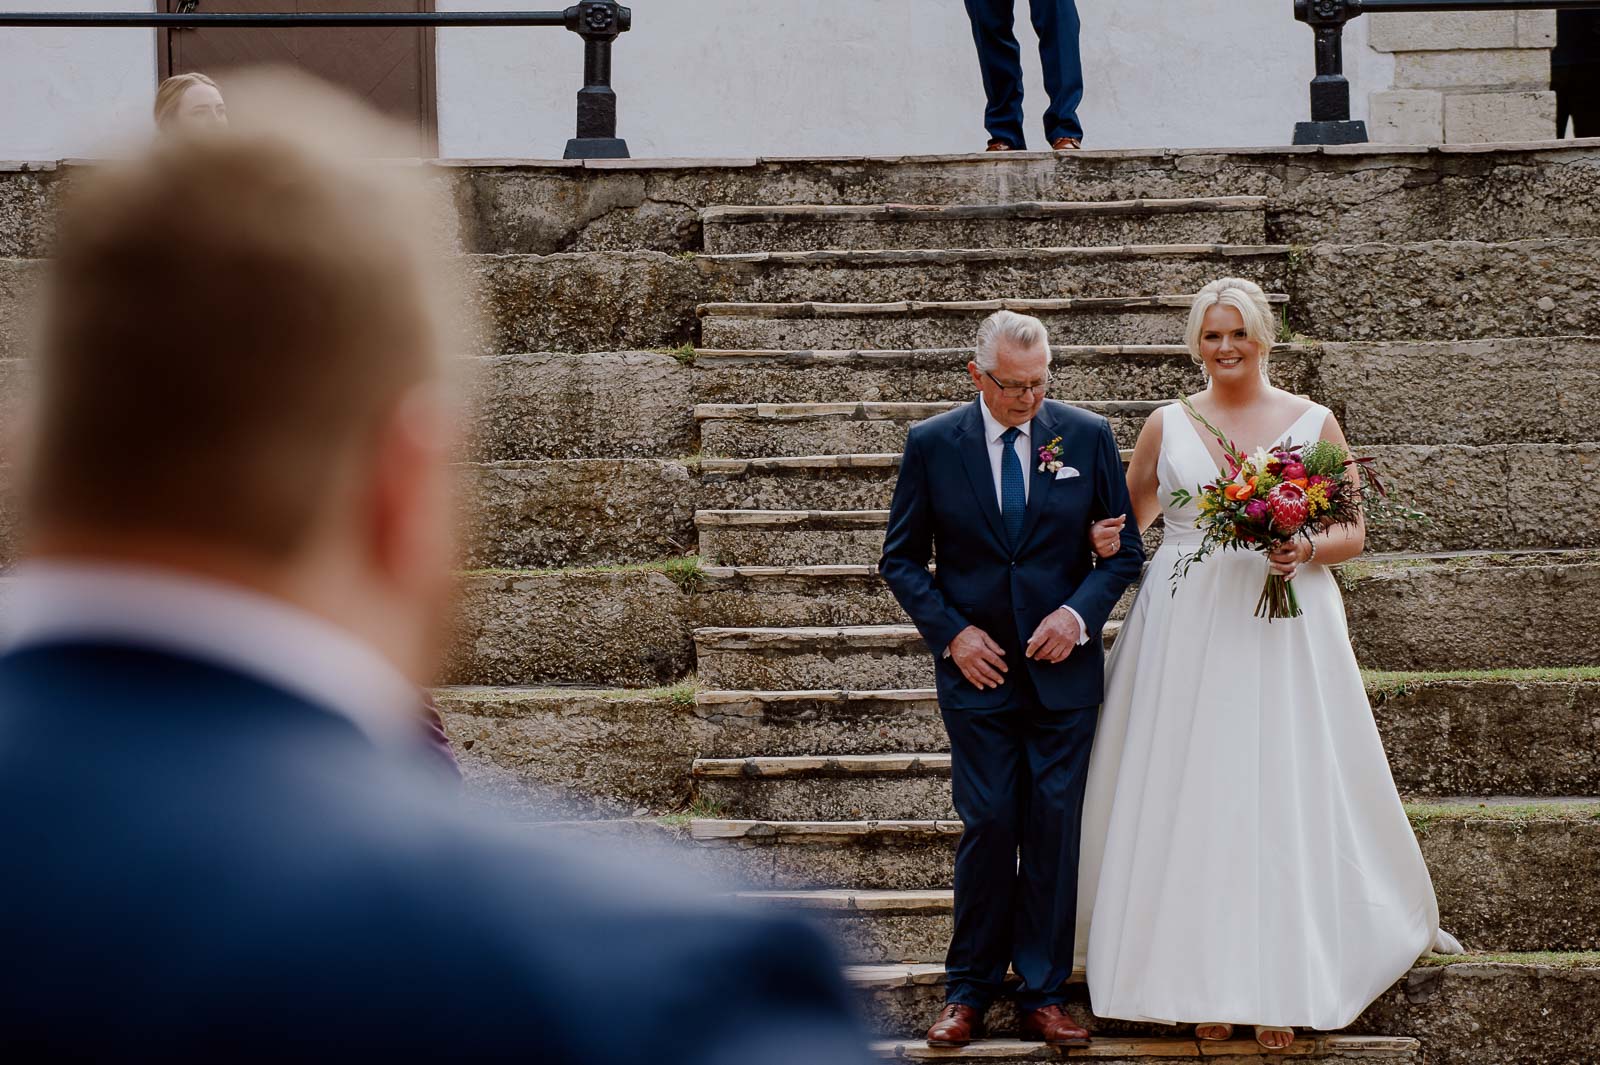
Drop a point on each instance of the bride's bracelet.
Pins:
(1311, 557)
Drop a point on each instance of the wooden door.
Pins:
(391, 67)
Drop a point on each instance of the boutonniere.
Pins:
(1050, 457)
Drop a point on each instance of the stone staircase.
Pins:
(1445, 303)
(800, 452)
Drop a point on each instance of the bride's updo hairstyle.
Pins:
(1243, 296)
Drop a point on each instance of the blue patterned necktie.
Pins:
(1013, 500)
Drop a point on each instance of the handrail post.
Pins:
(598, 22)
(1330, 90)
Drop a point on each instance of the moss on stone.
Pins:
(1546, 959)
(1424, 815)
(1383, 683)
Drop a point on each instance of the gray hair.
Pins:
(1016, 330)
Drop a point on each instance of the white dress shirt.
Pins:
(224, 624)
(993, 431)
(1022, 445)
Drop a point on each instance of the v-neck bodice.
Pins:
(1186, 463)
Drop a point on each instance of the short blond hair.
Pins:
(1249, 300)
(227, 322)
(170, 95)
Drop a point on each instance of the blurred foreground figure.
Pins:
(219, 842)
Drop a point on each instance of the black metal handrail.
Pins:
(598, 22)
(1330, 91)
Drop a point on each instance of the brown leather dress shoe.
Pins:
(957, 1026)
(1055, 1026)
(1066, 144)
(999, 146)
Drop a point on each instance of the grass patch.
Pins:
(680, 694)
(1550, 959)
(1394, 683)
(699, 809)
(681, 570)
(1424, 815)
(684, 353)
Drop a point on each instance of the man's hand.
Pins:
(979, 658)
(1106, 536)
(1055, 637)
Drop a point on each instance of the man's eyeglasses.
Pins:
(1018, 391)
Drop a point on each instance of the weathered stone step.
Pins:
(608, 404)
(1473, 503)
(566, 512)
(623, 628)
(1427, 612)
(1487, 1009)
(1508, 732)
(1146, 1050)
(1352, 193)
(863, 656)
(802, 227)
(789, 537)
(820, 787)
(933, 324)
(1507, 876)
(1383, 392)
(1448, 290)
(762, 430)
(988, 273)
(1109, 371)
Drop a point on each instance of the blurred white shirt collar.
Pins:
(217, 622)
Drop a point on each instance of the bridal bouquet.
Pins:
(1271, 497)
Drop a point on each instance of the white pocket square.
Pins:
(1067, 473)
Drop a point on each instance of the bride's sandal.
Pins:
(1267, 1029)
(1213, 1033)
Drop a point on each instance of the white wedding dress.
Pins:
(1245, 858)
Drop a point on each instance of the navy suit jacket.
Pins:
(199, 866)
(945, 508)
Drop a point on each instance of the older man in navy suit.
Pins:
(220, 842)
(1002, 494)
(1000, 59)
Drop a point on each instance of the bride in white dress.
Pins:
(1246, 858)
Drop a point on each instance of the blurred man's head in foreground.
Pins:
(243, 368)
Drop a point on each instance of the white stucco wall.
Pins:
(74, 92)
(757, 77)
(857, 77)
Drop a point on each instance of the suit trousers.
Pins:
(1000, 59)
(1017, 773)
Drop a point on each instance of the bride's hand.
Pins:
(1106, 536)
(1286, 559)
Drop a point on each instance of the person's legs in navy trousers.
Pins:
(1017, 777)
(1000, 60)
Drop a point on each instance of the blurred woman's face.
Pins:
(200, 108)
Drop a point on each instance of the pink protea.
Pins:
(1289, 506)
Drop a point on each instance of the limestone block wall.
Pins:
(1465, 77)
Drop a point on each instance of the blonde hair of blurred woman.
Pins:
(189, 101)
(243, 368)
(1249, 300)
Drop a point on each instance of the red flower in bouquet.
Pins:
(1289, 506)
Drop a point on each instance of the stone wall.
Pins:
(1464, 77)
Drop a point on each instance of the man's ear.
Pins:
(976, 375)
